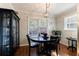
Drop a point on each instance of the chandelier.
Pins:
(47, 5)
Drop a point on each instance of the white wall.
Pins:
(60, 25)
(6, 5)
(78, 29)
(23, 28)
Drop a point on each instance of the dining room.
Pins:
(46, 29)
(52, 20)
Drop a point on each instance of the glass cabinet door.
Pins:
(0, 33)
(14, 31)
(17, 33)
(6, 34)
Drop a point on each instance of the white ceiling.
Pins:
(39, 8)
(61, 7)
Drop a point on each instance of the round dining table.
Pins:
(40, 40)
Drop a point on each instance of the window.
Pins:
(33, 26)
(70, 23)
(39, 25)
(36, 25)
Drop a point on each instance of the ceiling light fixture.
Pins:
(46, 10)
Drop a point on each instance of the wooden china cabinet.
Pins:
(9, 32)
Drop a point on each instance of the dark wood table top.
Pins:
(41, 39)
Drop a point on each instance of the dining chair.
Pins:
(72, 43)
(53, 45)
(32, 44)
(57, 33)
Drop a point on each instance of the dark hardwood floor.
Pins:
(23, 51)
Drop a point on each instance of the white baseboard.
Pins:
(24, 45)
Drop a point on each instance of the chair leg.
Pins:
(37, 50)
(29, 51)
(59, 46)
(57, 51)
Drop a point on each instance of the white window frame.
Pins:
(67, 21)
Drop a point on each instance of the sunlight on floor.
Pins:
(53, 53)
(78, 52)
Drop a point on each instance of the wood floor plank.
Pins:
(23, 51)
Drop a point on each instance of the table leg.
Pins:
(72, 45)
(38, 50)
